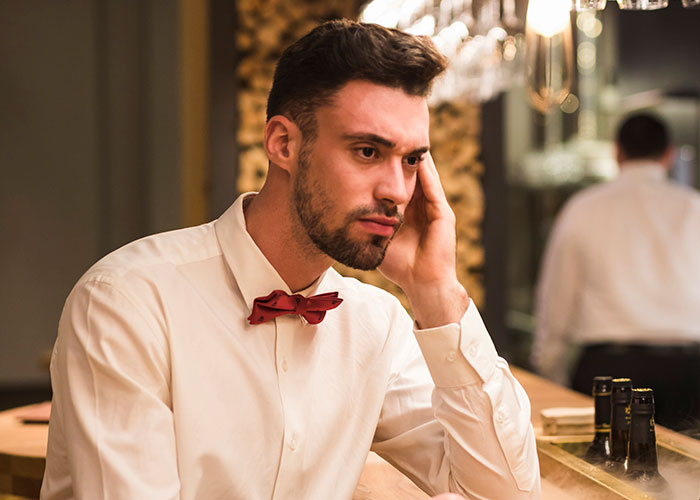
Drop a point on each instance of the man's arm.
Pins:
(480, 441)
(467, 429)
(111, 432)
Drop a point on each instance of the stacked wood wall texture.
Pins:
(265, 29)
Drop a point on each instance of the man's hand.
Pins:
(421, 259)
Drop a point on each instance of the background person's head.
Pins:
(315, 67)
(643, 136)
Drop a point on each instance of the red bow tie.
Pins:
(313, 308)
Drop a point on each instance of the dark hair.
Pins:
(317, 65)
(643, 135)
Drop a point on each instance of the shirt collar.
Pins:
(254, 274)
(643, 170)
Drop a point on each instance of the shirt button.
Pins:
(474, 350)
(500, 417)
(285, 366)
(293, 444)
(451, 356)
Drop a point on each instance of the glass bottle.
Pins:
(619, 424)
(599, 451)
(642, 466)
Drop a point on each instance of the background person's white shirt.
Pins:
(164, 391)
(622, 265)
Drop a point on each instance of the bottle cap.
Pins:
(602, 385)
(621, 390)
(642, 401)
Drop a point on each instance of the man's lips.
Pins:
(383, 226)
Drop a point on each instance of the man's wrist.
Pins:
(438, 304)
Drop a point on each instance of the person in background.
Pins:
(620, 280)
(230, 360)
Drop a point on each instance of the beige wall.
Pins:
(89, 153)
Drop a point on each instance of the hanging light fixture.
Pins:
(584, 5)
(549, 53)
(642, 4)
(483, 39)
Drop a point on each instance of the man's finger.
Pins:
(430, 180)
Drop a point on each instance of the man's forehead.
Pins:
(364, 108)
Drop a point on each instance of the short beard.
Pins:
(312, 206)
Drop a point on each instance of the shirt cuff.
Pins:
(458, 354)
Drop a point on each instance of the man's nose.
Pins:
(393, 185)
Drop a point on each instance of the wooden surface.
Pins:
(22, 452)
(23, 448)
(545, 394)
(20, 439)
(380, 480)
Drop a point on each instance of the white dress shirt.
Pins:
(622, 265)
(162, 390)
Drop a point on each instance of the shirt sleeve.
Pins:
(464, 423)
(111, 433)
(556, 298)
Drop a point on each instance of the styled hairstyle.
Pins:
(315, 67)
(643, 135)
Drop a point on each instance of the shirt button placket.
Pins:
(289, 467)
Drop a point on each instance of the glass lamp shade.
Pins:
(549, 66)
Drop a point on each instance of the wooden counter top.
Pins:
(22, 454)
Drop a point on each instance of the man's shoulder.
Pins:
(682, 191)
(594, 193)
(154, 253)
(589, 200)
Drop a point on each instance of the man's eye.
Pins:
(367, 152)
(414, 161)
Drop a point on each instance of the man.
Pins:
(620, 279)
(178, 375)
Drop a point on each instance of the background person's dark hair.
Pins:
(643, 135)
(312, 69)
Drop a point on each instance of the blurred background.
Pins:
(123, 118)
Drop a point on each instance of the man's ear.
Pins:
(620, 156)
(669, 157)
(282, 142)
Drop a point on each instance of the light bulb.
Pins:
(548, 17)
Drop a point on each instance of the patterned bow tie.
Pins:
(313, 308)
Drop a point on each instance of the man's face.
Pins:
(353, 184)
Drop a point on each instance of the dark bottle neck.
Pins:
(642, 445)
(602, 412)
(619, 430)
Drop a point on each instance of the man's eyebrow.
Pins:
(369, 138)
(378, 139)
(420, 151)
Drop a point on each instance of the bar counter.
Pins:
(23, 448)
